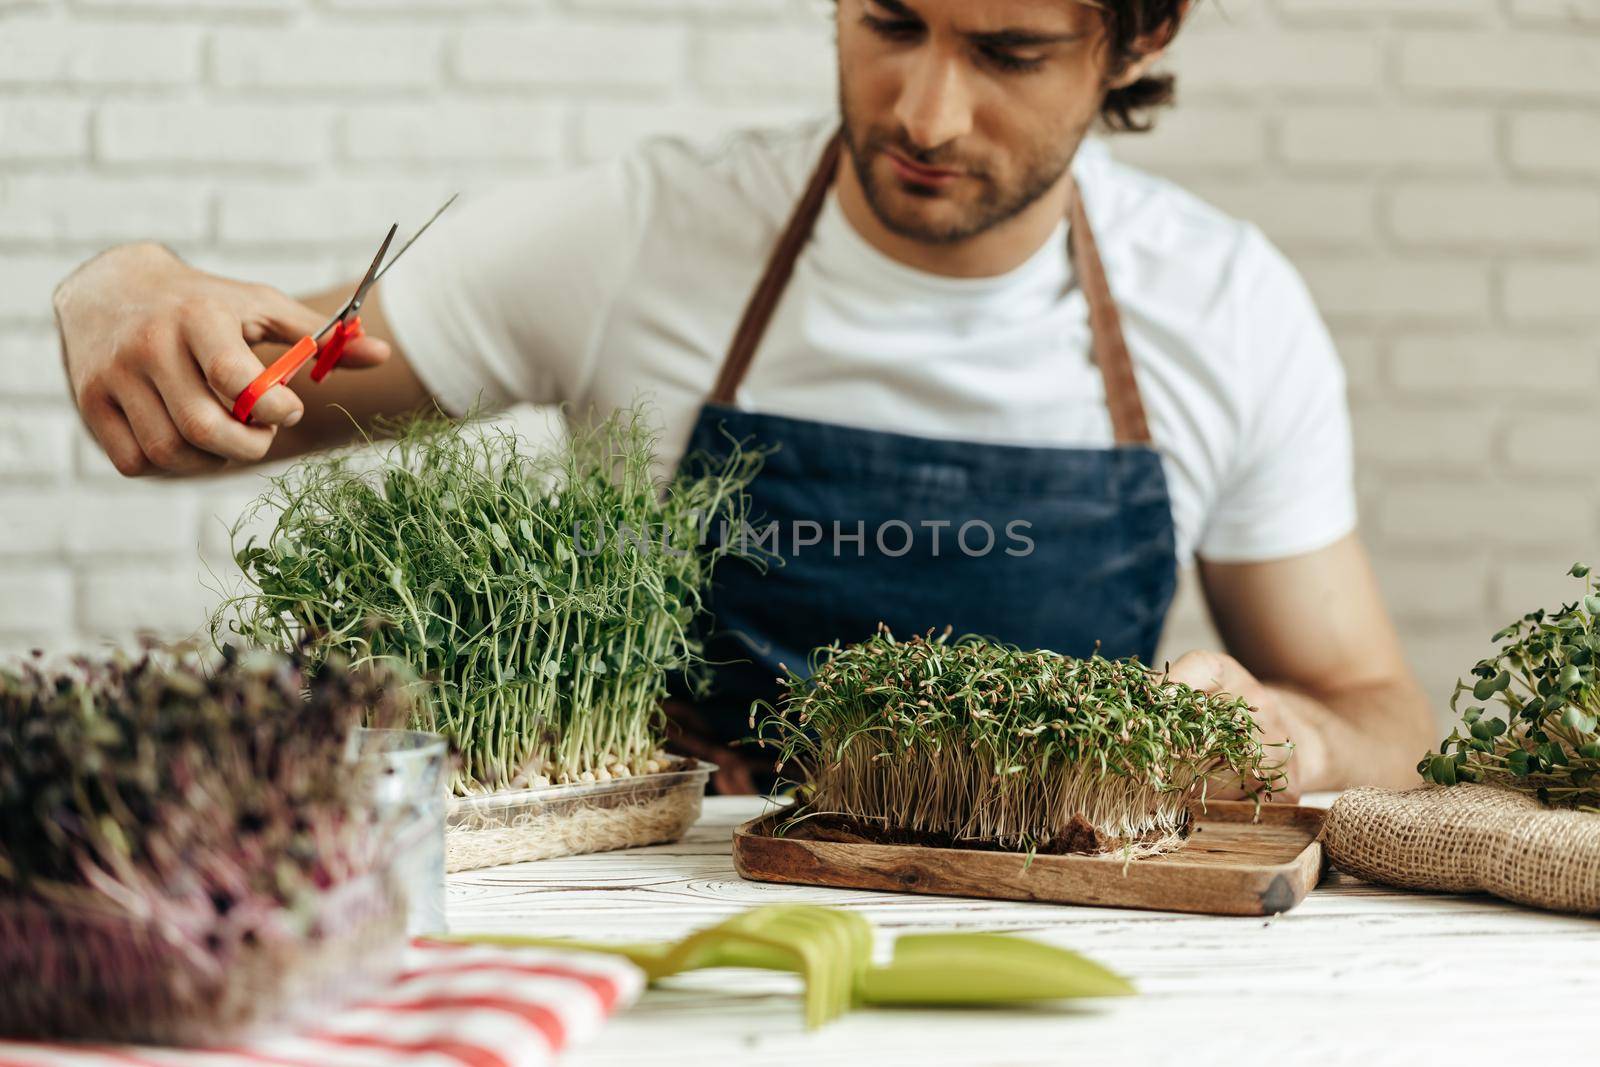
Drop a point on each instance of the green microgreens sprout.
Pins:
(545, 596)
(972, 741)
(1546, 680)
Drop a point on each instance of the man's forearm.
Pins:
(1372, 735)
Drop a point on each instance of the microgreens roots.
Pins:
(1546, 677)
(545, 597)
(973, 741)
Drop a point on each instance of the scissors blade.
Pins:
(431, 219)
(367, 281)
(372, 271)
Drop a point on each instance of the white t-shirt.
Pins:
(625, 281)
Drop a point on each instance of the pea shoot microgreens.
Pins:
(973, 741)
(1546, 679)
(544, 596)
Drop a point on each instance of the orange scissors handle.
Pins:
(283, 368)
(346, 327)
(344, 331)
(286, 366)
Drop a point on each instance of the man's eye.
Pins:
(1011, 62)
(892, 29)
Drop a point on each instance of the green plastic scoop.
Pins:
(832, 950)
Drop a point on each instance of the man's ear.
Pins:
(1150, 47)
(1137, 69)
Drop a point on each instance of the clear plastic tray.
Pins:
(571, 820)
(89, 972)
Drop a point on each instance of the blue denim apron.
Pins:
(1070, 549)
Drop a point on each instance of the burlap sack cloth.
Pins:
(1468, 838)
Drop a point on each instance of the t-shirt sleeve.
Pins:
(1291, 486)
(504, 300)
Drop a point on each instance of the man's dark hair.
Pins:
(1127, 22)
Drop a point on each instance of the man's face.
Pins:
(959, 114)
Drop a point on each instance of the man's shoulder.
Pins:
(1148, 224)
(757, 171)
(1133, 207)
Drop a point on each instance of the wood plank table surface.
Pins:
(1357, 974)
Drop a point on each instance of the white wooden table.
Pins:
(1357, 974)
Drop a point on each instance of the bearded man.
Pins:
(1009, 386)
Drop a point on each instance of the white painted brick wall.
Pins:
(605, 58)
(1429, 214)
(43, 129)
(1387, 138)
(1433, 166)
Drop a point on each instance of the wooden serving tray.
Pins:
(1231, 864)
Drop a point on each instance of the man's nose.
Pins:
(934, 107)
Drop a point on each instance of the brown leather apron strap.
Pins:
(1128, 423)
(780, 268)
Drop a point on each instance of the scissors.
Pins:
(346, 327)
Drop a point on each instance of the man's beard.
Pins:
(994, 205)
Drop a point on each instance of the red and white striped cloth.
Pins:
(454, 1006)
